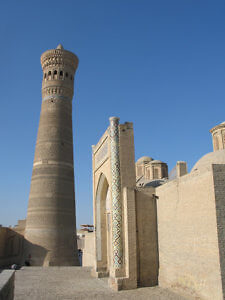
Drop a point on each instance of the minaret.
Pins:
(50, 226)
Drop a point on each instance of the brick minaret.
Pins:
(50, 227)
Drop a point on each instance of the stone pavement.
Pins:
(67, 283)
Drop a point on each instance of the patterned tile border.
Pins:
(116, 194)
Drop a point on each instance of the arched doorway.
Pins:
(103, 222)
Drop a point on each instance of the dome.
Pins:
(150, 183)
(156, 162)
(60, 46)
(155, 183)
(204, 163)
(219, 126)
(144, 159)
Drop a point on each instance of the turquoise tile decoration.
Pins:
(116, 194)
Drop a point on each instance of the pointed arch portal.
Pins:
(103, 222)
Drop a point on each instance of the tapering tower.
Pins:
(50, 227)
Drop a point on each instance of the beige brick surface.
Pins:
(187, 234)
(147, 240)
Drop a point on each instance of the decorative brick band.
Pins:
(59, 91)
(52, 162)
(56, 97)
(116, 194)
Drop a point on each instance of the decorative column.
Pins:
(116, 196)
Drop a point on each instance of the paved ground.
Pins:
(68, 283)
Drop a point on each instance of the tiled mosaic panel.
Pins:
(116, 191)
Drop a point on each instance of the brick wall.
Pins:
(11, 247)
(219, 187)
(187, 231)
(88, 258)
(147, 247)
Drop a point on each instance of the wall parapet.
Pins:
(7, 278)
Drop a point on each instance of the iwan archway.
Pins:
(114, 181)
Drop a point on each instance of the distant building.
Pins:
(150, 172)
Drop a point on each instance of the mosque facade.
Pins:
(169, 228)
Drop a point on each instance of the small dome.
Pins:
(150, 183)
(155, 183)
(156, 162)
(60, 46)
(144, 159)
(204, 163)
(221, 125)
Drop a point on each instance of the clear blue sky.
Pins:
(159, 64)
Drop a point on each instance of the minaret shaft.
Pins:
(50, 226)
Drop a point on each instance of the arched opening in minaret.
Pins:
(103, 225)
(49, 74)
(61, 74)
(55, 74)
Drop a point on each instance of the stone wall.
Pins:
(3, 237)
(147, 242)
(187, 233)
(88, 258)
(11, 247)
(130, 238)
(20, 227)
(127, 160)
(219, 187)
(7, 278)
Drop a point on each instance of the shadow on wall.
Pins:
(13, 249)
(41, 254)
(147, 238)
